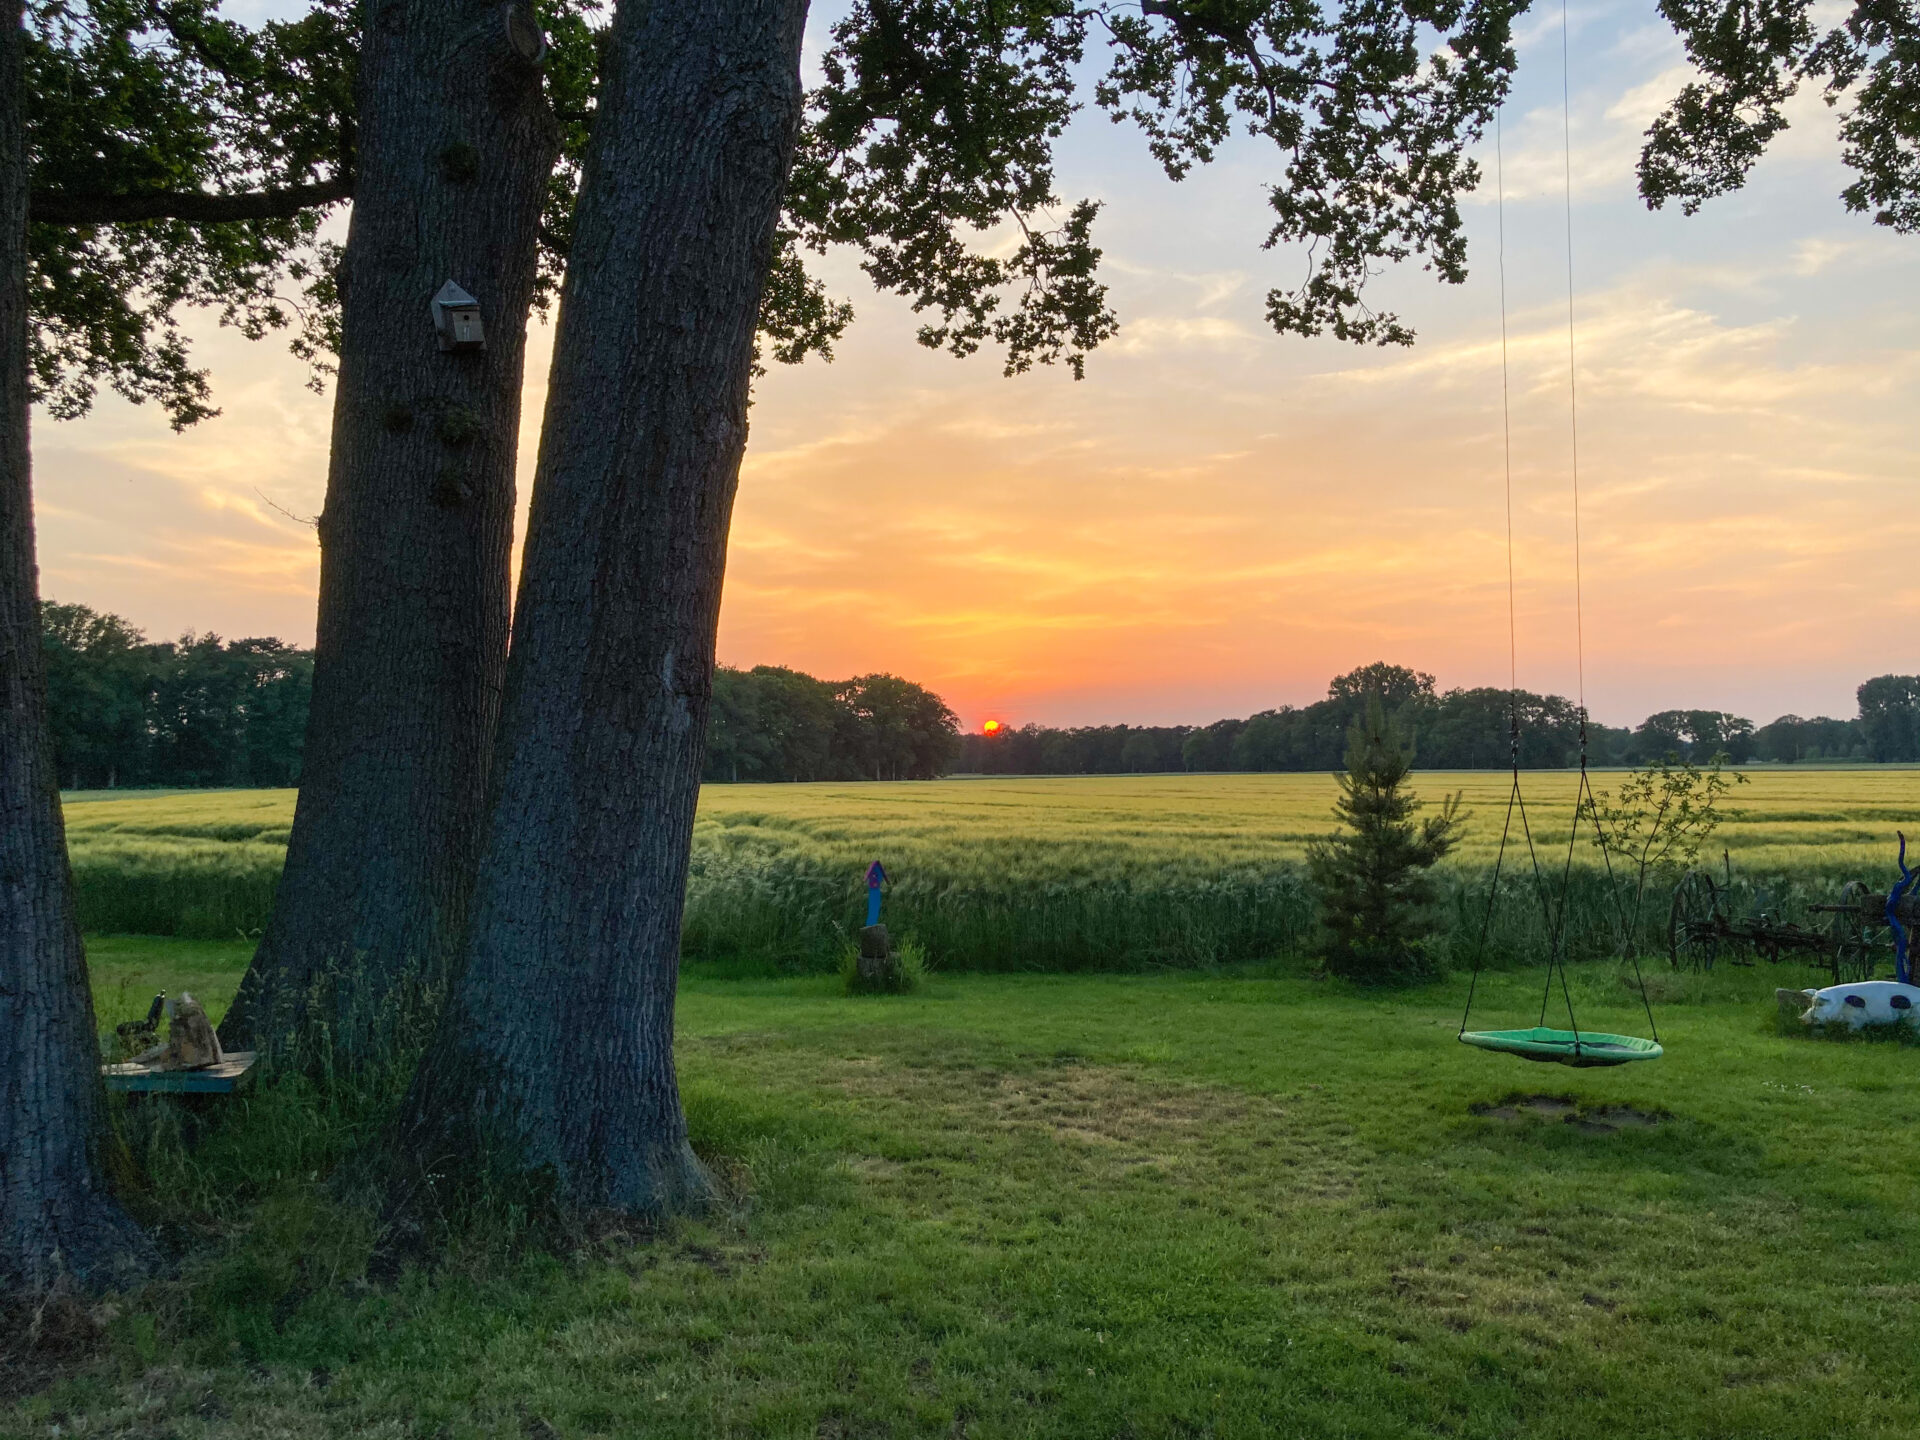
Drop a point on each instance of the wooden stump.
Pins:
(878, 967)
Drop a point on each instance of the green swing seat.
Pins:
(1586, 1049)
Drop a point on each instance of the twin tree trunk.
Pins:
(456, 146)
(555, 1053)
(57, 1214)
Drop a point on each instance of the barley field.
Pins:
(1051, 873)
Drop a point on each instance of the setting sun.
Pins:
(992, 727)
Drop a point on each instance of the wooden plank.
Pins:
(219, 1079)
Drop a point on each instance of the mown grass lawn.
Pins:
(1231, 1205)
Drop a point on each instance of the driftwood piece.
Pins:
(191, 1044)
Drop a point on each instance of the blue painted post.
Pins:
(874, 876)
(1894, 896)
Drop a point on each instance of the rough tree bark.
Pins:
(57, 1213)
(555, 1053)
(456, 144)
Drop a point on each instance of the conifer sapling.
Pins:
(1378, 904)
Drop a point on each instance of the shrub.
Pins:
(908, 971)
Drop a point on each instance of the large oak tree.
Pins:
(469, 121)
(128, 186)
(456, 143)
(175, 159)
(182, 160)
(936, 122)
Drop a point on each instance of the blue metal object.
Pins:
(875, 875)
(1894, 897)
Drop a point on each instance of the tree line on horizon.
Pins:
(188, 713)
(772, 723)
(1459, 729)
(202, 711)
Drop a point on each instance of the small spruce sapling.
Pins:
(1378, 904)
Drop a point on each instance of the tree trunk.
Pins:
(57, 1213)
(555, 1053)
(456, 145)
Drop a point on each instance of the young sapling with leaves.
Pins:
(1378, 903)
(1658, 819)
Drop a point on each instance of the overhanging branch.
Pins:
(57, 207)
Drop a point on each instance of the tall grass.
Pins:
(196, 889)
(201, 865)
(792, 916)
(1045, 874)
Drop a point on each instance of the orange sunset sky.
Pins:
(1218, 519)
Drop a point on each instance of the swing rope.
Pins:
(1516, 802)
(1583, 797)
(1556, 935)
(1555, 915)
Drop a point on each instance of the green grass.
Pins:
(128, 970)
(1139, 872)
(1227, 1204)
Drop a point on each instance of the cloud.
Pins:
(1156, 334)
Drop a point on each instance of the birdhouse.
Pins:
(456, 319)
(523, 32)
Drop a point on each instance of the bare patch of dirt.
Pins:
(1547, 1107)
(1601, 1120)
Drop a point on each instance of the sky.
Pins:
(1218, 519)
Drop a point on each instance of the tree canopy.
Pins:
(937, 120)
(177, 159)
(1752, 57)
(181, 160)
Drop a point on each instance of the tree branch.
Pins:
(55, 207)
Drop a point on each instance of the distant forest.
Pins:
(770, 723)
(202, 711)
(194, 712)
(1454, 730)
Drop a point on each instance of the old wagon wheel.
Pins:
(1853, 931)
(1694, 922)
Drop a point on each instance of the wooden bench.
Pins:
(222, 1079)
